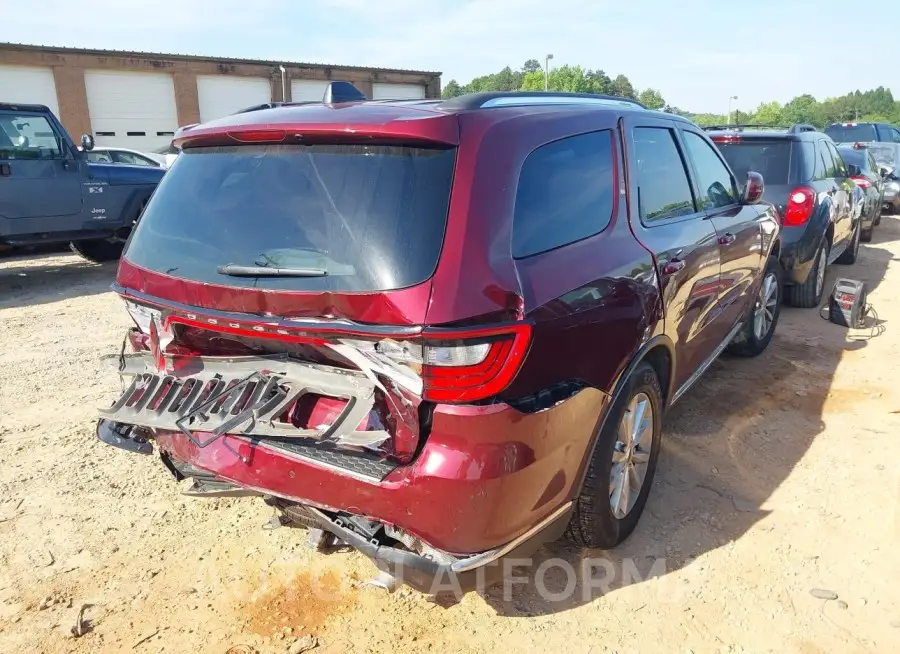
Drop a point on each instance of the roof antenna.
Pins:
(342, 92)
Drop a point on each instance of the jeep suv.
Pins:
(440, 332)
(811, 186)
(51, 193)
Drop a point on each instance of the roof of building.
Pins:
(187, 57)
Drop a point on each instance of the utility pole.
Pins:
(547, 72)
(730, 98)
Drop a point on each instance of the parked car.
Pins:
(891, 191)
(466, 347)
(863, 132)
(50, 192)
(872, 179)
(125, 156)
(810, 185)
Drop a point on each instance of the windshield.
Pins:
(851, 133)
(771, 159)
(372, 218)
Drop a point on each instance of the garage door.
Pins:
(308, 90)
(222, 95)
(131, 110)
(28, 85)
(382, 91)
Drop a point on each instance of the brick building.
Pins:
(138, 99)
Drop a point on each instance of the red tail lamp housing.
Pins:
(259, 136)
(861, 181)
(800, 205)
(508, 346)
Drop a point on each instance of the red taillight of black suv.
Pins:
(435, 330)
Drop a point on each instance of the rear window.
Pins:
(851, 134)
(885, 155)
(369, 218)
(771, 159)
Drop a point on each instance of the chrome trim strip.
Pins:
(706, 364)
(483, 559)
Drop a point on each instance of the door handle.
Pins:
(727, 238)
(673, 266)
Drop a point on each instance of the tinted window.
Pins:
(839, 166)
(813, 163)
(850, 134)
(27, 137)
(565, 193)
(895, 135)
(716, 185)
(371, 217)
(828, 158)
(771, 159)
(855, 157)
(663, 188)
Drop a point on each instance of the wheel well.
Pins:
(661, 359)
(829, 235)
(776, 249)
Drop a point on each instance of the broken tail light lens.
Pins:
(800, 206)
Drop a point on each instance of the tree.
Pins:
(768, 113)
(599, 81)
(652, 99)
(452, 90)
(531, 66)
(621, 86)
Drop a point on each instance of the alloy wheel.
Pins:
(764, 310)
(631, 455)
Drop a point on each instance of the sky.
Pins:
(697, 53)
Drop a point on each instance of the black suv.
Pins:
(810, 185)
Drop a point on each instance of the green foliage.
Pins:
(876, 105)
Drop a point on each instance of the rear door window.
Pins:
(565, 193)
(664, 192)
(717, 187)
(828, 158)
(840, 168)
(367, 217)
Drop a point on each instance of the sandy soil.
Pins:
(779, 478)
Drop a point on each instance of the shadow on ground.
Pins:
(728, 445)
(33, 279)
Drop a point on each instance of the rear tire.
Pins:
(594, 522)
(848, 256)
(98, 251)
(762, 315)
(866, 235)
(809, 293)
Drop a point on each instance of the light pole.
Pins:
(283, 84)
(730, 98)
(547, 72)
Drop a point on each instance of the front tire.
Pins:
(762, 317)
(809, 293)
(620, 472)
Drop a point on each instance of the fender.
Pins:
(616, 395)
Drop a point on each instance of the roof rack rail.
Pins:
(793, 129)
(524, 98)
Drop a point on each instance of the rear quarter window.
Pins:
(851, 133)
(565, 193)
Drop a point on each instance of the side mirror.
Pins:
(886, 171)
(87, 142)
(754, 189)
(853, 170)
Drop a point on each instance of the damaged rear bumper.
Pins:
(488, 482)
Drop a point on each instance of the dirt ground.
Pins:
(773, 525)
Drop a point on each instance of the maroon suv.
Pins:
(441, 332)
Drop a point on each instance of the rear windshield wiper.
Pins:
(234, 270)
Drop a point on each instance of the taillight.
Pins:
(460, 366)
(861, 181)
(800, 205)
(731, 138)
(259, 136)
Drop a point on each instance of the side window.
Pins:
(820, 170)
(873, 167)
(827, 158)
(895, 135)
(717, 187)
(663, 188)
(99, 156)
(27, 137)
(129, 158)
(840, 168)
(565, 193)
